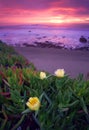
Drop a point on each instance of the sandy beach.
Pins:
(50, 59)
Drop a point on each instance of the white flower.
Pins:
(60, 72)
(42, 75)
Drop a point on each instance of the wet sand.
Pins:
(50, 59)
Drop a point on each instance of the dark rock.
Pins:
(88, 40)
(37, 34)
(39, 38)
(44, 36)
(25, 44)
(83, 39)
(63, 37)
(47, 44)
(83, 48)
(28, 45)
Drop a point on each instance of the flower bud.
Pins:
(42, 75)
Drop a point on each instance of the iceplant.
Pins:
(33, 103)
(59, 73)
(42, 75)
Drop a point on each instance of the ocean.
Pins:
(60, 36)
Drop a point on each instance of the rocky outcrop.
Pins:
(83, 39)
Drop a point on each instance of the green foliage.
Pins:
(9, 57)
(64, 101)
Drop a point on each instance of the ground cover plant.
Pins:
(9, 57)
(35, 100)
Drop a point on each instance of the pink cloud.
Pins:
(44, 10)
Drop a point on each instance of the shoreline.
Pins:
(73, 62)
(48, 44)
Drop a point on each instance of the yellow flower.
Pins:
(33, 103)
(60, 72)
(42, 75)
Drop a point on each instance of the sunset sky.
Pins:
(44, 11)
